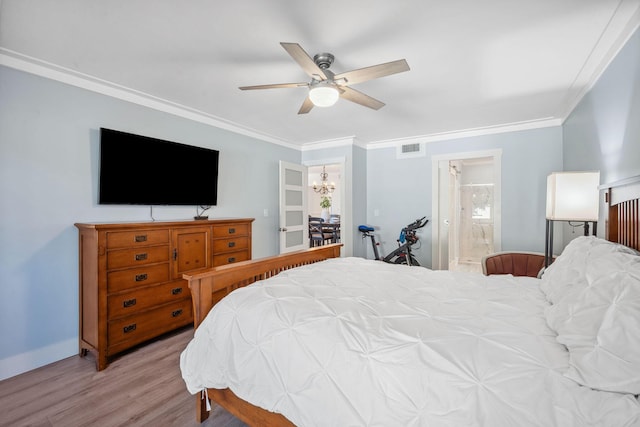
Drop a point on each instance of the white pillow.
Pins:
(570, 269)
(567, 284)
(601, 325)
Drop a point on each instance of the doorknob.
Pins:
(446, 222)
(282, 229)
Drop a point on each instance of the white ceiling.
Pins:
(476, 66)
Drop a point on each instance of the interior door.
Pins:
(294, 233)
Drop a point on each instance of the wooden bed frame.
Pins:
(621, 225)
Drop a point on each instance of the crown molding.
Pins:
(51, 71)
(602, 55)
(468, 133)
(330, 143)
(584, 82)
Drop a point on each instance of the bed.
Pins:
(347, 341)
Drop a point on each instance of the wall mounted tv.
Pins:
(139, 170)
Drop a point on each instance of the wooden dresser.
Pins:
(131, 285)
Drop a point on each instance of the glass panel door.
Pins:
(293, 207)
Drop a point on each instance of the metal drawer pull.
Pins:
(231, 244)
(176, 291)
(141, 257)
(129, 302)
(232, 230)
(176, 313)
(141, 238)
(231, 259)
(129, 328)
(141, 277)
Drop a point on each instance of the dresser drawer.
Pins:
(137, 256)
(230, 245)
(121, 280)
(130, 239)
(131, 302)
(230, 258)
(231, 230)
(127, 331)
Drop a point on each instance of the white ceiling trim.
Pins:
(41, 68)
(591, 72)
(447, 136)
(45, 69)
(495, 69)
(331, 143)
(588, 76)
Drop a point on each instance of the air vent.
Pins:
(410, 150)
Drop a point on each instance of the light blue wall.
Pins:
(49, 141)
(603, 131)
(359, 198)
(400, 190)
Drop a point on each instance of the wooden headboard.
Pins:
(622, 216)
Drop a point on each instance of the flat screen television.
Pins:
(139, 170)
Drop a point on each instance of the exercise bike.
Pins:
(408, 238)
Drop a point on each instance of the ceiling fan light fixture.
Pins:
(323, 95)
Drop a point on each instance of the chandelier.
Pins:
(325, 187)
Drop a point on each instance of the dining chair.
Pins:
(318, 234)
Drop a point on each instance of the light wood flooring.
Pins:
(141, 388)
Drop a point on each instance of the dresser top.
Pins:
(156, 224)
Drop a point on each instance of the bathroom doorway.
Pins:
(466, 210)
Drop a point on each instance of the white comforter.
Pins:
(352, 342)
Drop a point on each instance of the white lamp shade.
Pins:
(323, 95)
(573, 196)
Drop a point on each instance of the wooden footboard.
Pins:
(212, 285)
(209, 287)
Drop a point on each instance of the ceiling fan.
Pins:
(326, 87)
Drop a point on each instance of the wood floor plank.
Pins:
(141, 388)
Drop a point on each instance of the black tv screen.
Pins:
(139, 170)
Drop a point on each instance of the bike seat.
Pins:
(365, 228)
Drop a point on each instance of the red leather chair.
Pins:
(516, 263)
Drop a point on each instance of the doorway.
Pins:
(466, 211)
(325, 201)
(333, 183)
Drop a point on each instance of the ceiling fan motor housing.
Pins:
(323, 60)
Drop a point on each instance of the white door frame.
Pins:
(435, 197)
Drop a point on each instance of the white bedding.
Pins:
(352, 342)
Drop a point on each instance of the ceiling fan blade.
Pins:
(304, 60)
(273, 86)
(360, 98)
(307, 105)
(373, 72)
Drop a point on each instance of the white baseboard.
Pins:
(21, 363)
